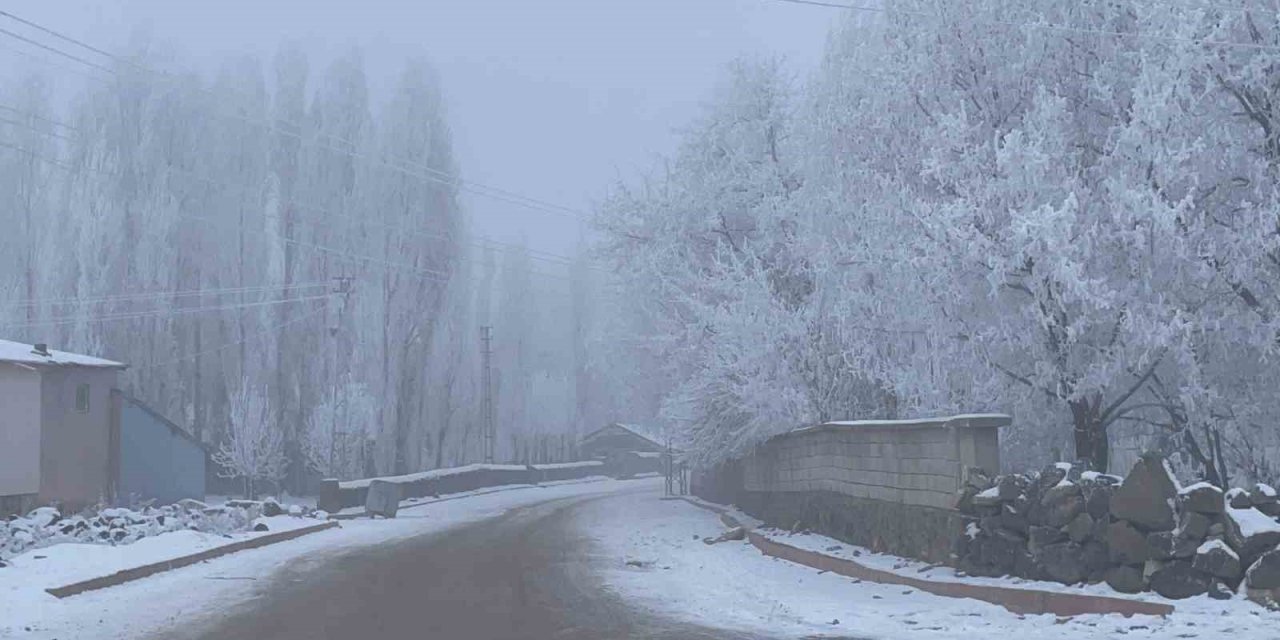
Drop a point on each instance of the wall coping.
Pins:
(962, 421)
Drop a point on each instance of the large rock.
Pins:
(1238, 499)
(1126, 544)
(1193, 525)
(1063, 562)
(1265, 573)
(1045, 536)
(1263, 497)
(1147, 495)
(1014, 520)
(1081, 529)
(1178, 579)
(1061, 504)
(1009, 487)
(1218, 560)
(1097, 501)
(1096, 560)
(1166, 545)
(1250, 532)
(1201, 497)
(1126, 579)
(383, 499)
(271, 508)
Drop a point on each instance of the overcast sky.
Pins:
(554, 99)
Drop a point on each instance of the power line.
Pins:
(434, 175)
(136, 315)
(141, 296)
(1059, 28)
(270, 329)
(477, 242)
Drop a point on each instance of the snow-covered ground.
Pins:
(183, 597)
(733, 585)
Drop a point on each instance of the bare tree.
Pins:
(254, 448)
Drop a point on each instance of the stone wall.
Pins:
(1143, 532)
(887, 485)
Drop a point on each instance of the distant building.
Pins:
(55, 427)
(154, 459)
(69, 436)
(617, 438)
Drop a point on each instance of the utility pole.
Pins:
(341, 287)
(486, 353)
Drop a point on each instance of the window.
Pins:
(82, 398)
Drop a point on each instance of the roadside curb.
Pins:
(136, 573)
(1022, 601)
(489, 490)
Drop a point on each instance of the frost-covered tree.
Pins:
(254, 448)
(340, 431)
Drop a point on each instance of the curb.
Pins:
(494, 489)
(136, 573)
(1021, 601)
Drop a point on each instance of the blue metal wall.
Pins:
(155, 462)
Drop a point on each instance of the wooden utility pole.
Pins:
(486, 354)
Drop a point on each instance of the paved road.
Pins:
(525, 575)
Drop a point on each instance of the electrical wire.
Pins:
(66, 320)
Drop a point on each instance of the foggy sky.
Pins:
(554, 99)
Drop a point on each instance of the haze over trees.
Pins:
(996, 206)
(274, 237)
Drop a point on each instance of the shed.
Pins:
(617, 438)
(154, 459)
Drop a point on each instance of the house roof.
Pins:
(22, 353)
(964, 421)
(178, 431)
(628, 428)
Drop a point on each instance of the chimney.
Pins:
(41, 349)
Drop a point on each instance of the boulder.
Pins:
(1126, 544)
(1166, 545)
(1014, 520)
(1063, 562)
(1126, 579)
(1147, 495)
(1081, 528)
(986, 499)
(1051, 476)
(1201, 497)
(1250, 532)
(1178, 579)
(1009, 487)
(1220, 591)
(1218, 560)
(1045, 536)
(1097, 501)
(1238, 499)
(1061, 504)
(271, 508)
(1096, 560)
(383, 499)
(1193, 525)
(260, 527)
(1263, 498)
(1265, 573)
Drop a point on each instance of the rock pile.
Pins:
(1138, 533)
(46, 526)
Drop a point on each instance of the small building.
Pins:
(55, 427)
(69, 436)
(154, 459)
(617, 438)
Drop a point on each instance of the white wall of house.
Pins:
(20, 420)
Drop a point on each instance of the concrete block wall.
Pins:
(887, 485)
(911, 462)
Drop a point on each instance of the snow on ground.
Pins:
(184, 597)
(733, 585)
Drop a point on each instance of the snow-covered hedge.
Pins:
(47, 526)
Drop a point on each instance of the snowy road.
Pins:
(529, 573)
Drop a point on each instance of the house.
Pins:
(55, 427)
(617, 438)
(68, 435)
(153, 458)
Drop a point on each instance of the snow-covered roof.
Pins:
(959, 421)
(630, 428)
(21, 353)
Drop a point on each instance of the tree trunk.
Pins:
(1090, 432)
